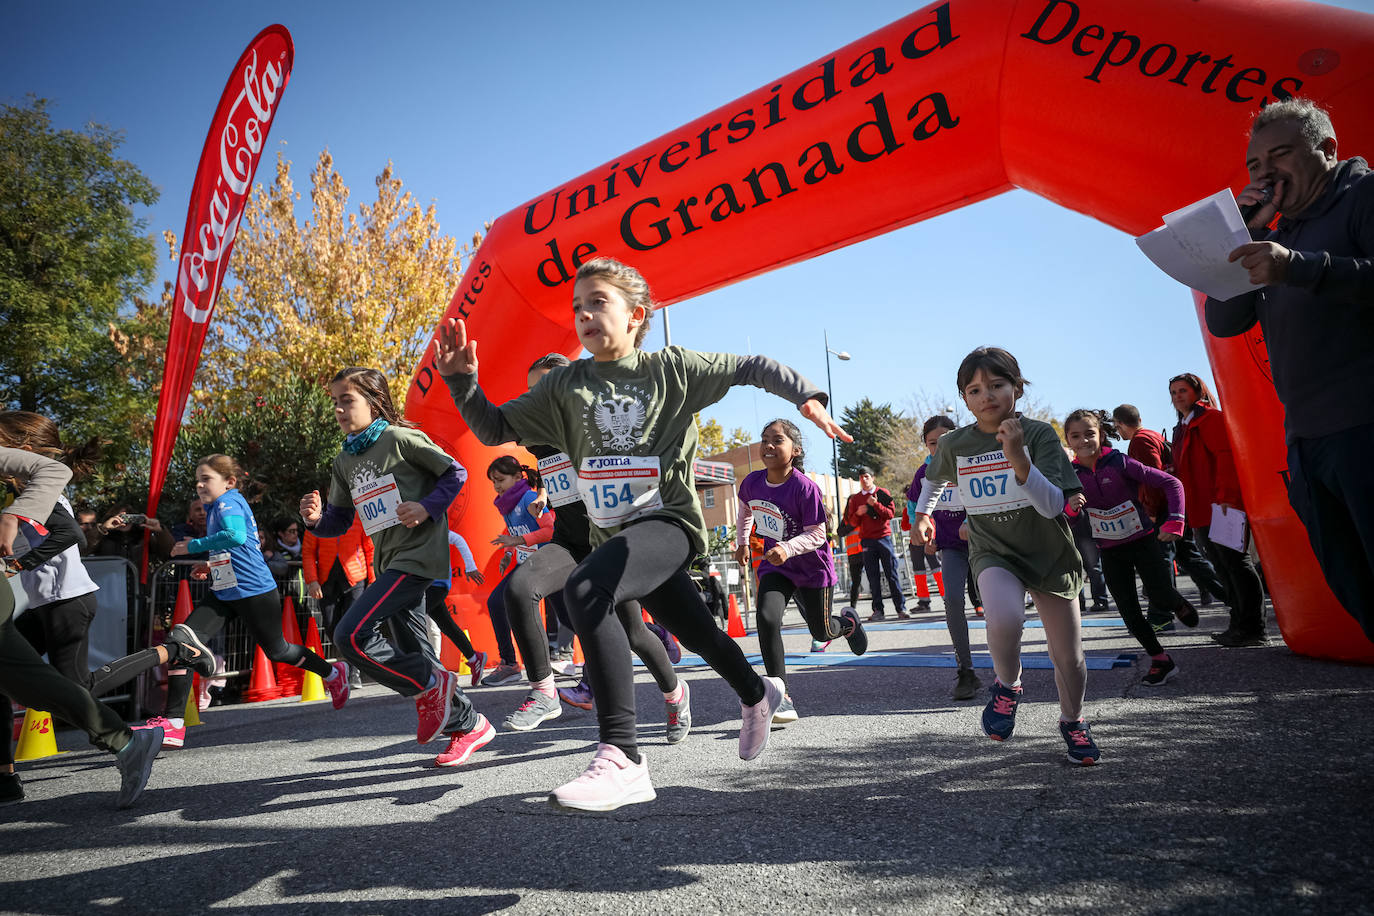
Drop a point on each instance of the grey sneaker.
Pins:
(757, 720)
(680, 716)
(191, 651)
(967, 684)
(787, 713)
(502, 674)
(135, 762)
(538, 707)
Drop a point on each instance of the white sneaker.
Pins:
(607, 783)
(787, 713)
(563, 667)
(757, 720)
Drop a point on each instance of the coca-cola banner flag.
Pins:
(224, 178)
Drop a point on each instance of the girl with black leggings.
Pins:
(786, 509)
(625, 420)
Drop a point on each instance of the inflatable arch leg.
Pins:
(1080, 101)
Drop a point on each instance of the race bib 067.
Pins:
(987, 484)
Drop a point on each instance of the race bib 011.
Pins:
(619, 488)
(987, 484)
(376, 503)
(560, 480)
(768, 519)
(1115, 523)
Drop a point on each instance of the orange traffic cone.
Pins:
(183, 607)
(192, 713)
(288, 676)
(263, 683)
(736, 625)
(940, 582)
(38, 738)
(578, 660)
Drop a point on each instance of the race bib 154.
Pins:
(619, 488)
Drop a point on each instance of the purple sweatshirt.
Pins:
(1113, 483)
(949, 514)
(790, 507)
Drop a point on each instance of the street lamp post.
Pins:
(834, 443)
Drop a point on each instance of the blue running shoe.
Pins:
(999, 716)
(1082, 749)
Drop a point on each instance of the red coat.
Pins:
(1203, 462)
(1147, 447)
(353, 549)
(877, 521)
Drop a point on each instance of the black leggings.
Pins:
(775, 590)
(261, 614)
(646, 560)
(543, 576)
(1119, 567)
(1243, 585)
(436, 606)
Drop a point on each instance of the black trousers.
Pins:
(647, 561)
(1331, 490)
(1120, 564)
(775, 590)
(1242, 584)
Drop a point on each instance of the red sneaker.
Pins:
(338, 685)
(462, 746)
(478, 665)
(432, 707)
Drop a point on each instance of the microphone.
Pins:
(1248, 211)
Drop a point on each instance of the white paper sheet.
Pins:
(1228, 528)
(1194, 241)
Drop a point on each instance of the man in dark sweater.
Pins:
(1315, 308)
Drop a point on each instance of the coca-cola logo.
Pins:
(240, 147)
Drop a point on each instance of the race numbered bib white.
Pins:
(376, 502)
(560, 480)
(949, 501)
(768, 519)
(987, 485)
(1115, 523)
(619, 488)
(222, 572)
(522, 554)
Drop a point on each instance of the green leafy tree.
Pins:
(284, 439)
(871, 425)
(73, 261)
(713, 440)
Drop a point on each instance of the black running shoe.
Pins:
(190, 651)
(856, 637)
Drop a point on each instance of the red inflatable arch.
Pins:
(1080, 101)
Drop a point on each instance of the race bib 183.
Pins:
(987, 484)
(376, 502)
(619, 488)
(560, 480)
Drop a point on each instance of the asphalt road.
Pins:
(1243, 786)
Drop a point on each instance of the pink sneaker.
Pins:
(172, 737)
(338, 685)
(461, 746)
(478, 665)
(432, 707)
(607, 783)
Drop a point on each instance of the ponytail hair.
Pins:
(509, 466)
(372, 385)
(224, 466)
(35, 433)
(1099, 418)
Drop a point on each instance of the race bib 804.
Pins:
(987, 484)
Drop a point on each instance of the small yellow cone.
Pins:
(463, 662)
(193, 709)
(38, 738)
(312, 687)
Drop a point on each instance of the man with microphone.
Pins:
(1315, 307)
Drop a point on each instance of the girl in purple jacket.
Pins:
(949, 516)
(1122, 528)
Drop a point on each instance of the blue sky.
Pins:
(482, 107)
